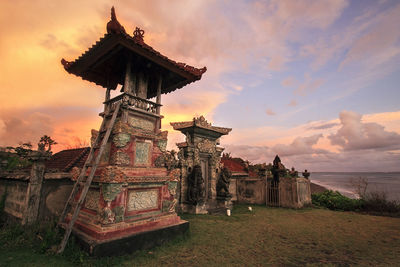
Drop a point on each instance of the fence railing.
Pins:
(132, 101)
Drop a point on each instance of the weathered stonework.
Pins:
(120, 158)
(110, 191)
(105, 158)
(141, 123)
(121, 139)
(162, 145)
(160, 161)
(92, 199)
(142, 153)
(136, 195)
(206, 146)
(111, 174)
(200, 151)
(142, 200)
(119, 212)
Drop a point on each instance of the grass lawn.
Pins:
(265, 236)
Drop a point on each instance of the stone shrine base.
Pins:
(130, 243)
(218, 206)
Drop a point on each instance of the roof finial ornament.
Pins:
(65, 63)
(113, 26)
(138, 34)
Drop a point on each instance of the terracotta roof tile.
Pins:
(65, 160)
(237, 168)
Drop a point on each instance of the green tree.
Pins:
(46, 142)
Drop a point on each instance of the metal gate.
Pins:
(272, 197)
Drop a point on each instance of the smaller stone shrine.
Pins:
(204, 185)
(285, 188)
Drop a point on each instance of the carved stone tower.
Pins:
(132, 194)
(199, 159)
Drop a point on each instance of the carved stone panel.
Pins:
(162, 145)
(142, 200)
(121, 139)
(92, 199)
(142, 153)
(206, 146)
(141, 123)
(120, 158)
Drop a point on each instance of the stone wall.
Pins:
(293, 192)
(16, 196)
(250, 191)
(233, 189)
(54, 192)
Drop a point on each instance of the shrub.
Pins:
(2, 205)
(377, 201)
(333, 200)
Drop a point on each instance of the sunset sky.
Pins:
(317, 82)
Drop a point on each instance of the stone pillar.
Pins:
(33, 193)
(142, 82)
(158, 99)
(129, 83)
(158, 102)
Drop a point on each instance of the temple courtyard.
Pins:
(264, 236)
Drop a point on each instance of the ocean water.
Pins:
(388, 182)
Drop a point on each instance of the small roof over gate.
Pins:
(199, 122)
(105, 62)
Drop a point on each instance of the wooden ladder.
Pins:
(76, 206)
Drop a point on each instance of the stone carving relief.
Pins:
(174, 175)
(160, 161)
(223, 183)
(120, 158)
(112, 174)
(119, 212)
(169, 205)
(142, 153)
(121, 139)
(141, 123)
(92, 199)
(107, 216)
(196, 190)
(110, 191)
(206, 146)
(142, 200)
(201, 121)
(162, 145)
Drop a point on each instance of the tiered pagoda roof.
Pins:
(104, 63)
(199, 122)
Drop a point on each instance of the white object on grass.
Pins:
(250, 209)
(228, 212)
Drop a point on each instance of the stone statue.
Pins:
(171, 161)
(195, 186)
(306, 174)
(278, 169)
(293, 173)
(223, 183)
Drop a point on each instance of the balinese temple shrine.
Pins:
(132, 199)
(202, 181)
